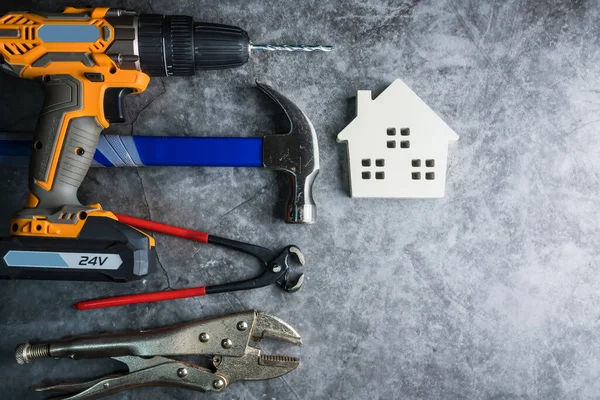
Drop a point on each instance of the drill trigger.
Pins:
(114, 110)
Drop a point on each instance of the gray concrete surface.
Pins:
(491, 292)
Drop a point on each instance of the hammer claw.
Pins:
(296, 153)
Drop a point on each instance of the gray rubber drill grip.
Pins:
(63, 94)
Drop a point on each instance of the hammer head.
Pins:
(297, 154)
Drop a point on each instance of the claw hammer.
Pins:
(296, 153)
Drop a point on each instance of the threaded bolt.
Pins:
(25, 353)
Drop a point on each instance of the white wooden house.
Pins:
(397, 146)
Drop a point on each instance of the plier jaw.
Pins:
(277, 270)
(253, 366)
(225, 340)
(282, 269)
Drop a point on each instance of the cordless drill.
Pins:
(88, 60)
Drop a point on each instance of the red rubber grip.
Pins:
(140, 298)
(163, 228)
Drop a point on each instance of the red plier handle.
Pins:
(140, 298)
(163, 228)
(155, 296)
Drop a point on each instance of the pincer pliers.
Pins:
(223, 341)
(276, 265)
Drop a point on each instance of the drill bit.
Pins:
(285, 47)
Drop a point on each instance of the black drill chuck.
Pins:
(176, 45)
(220, 46)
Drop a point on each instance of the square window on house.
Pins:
(405, 144)
(430, 176)
(416, 163)
(416, 176)
(391, 131)
(380, 162)
(430, 163)
(380, 175)
(405, 131)
(366, 162)
(366, 175)
(391, 144)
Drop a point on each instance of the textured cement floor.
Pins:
(491, 292)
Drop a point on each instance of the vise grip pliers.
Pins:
(224, 341)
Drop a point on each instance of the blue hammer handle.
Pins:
(137, 151)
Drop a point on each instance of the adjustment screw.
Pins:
(182, 372)
(276, 268)
(80, 151)
(242, 325)
(218, 384)
(204, 337)
(226, 343)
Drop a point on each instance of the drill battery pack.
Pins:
(105, 250)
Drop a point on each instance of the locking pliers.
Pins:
(224, 341)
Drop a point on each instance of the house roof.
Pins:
(397, 99)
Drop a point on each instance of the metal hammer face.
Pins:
(297, 154)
